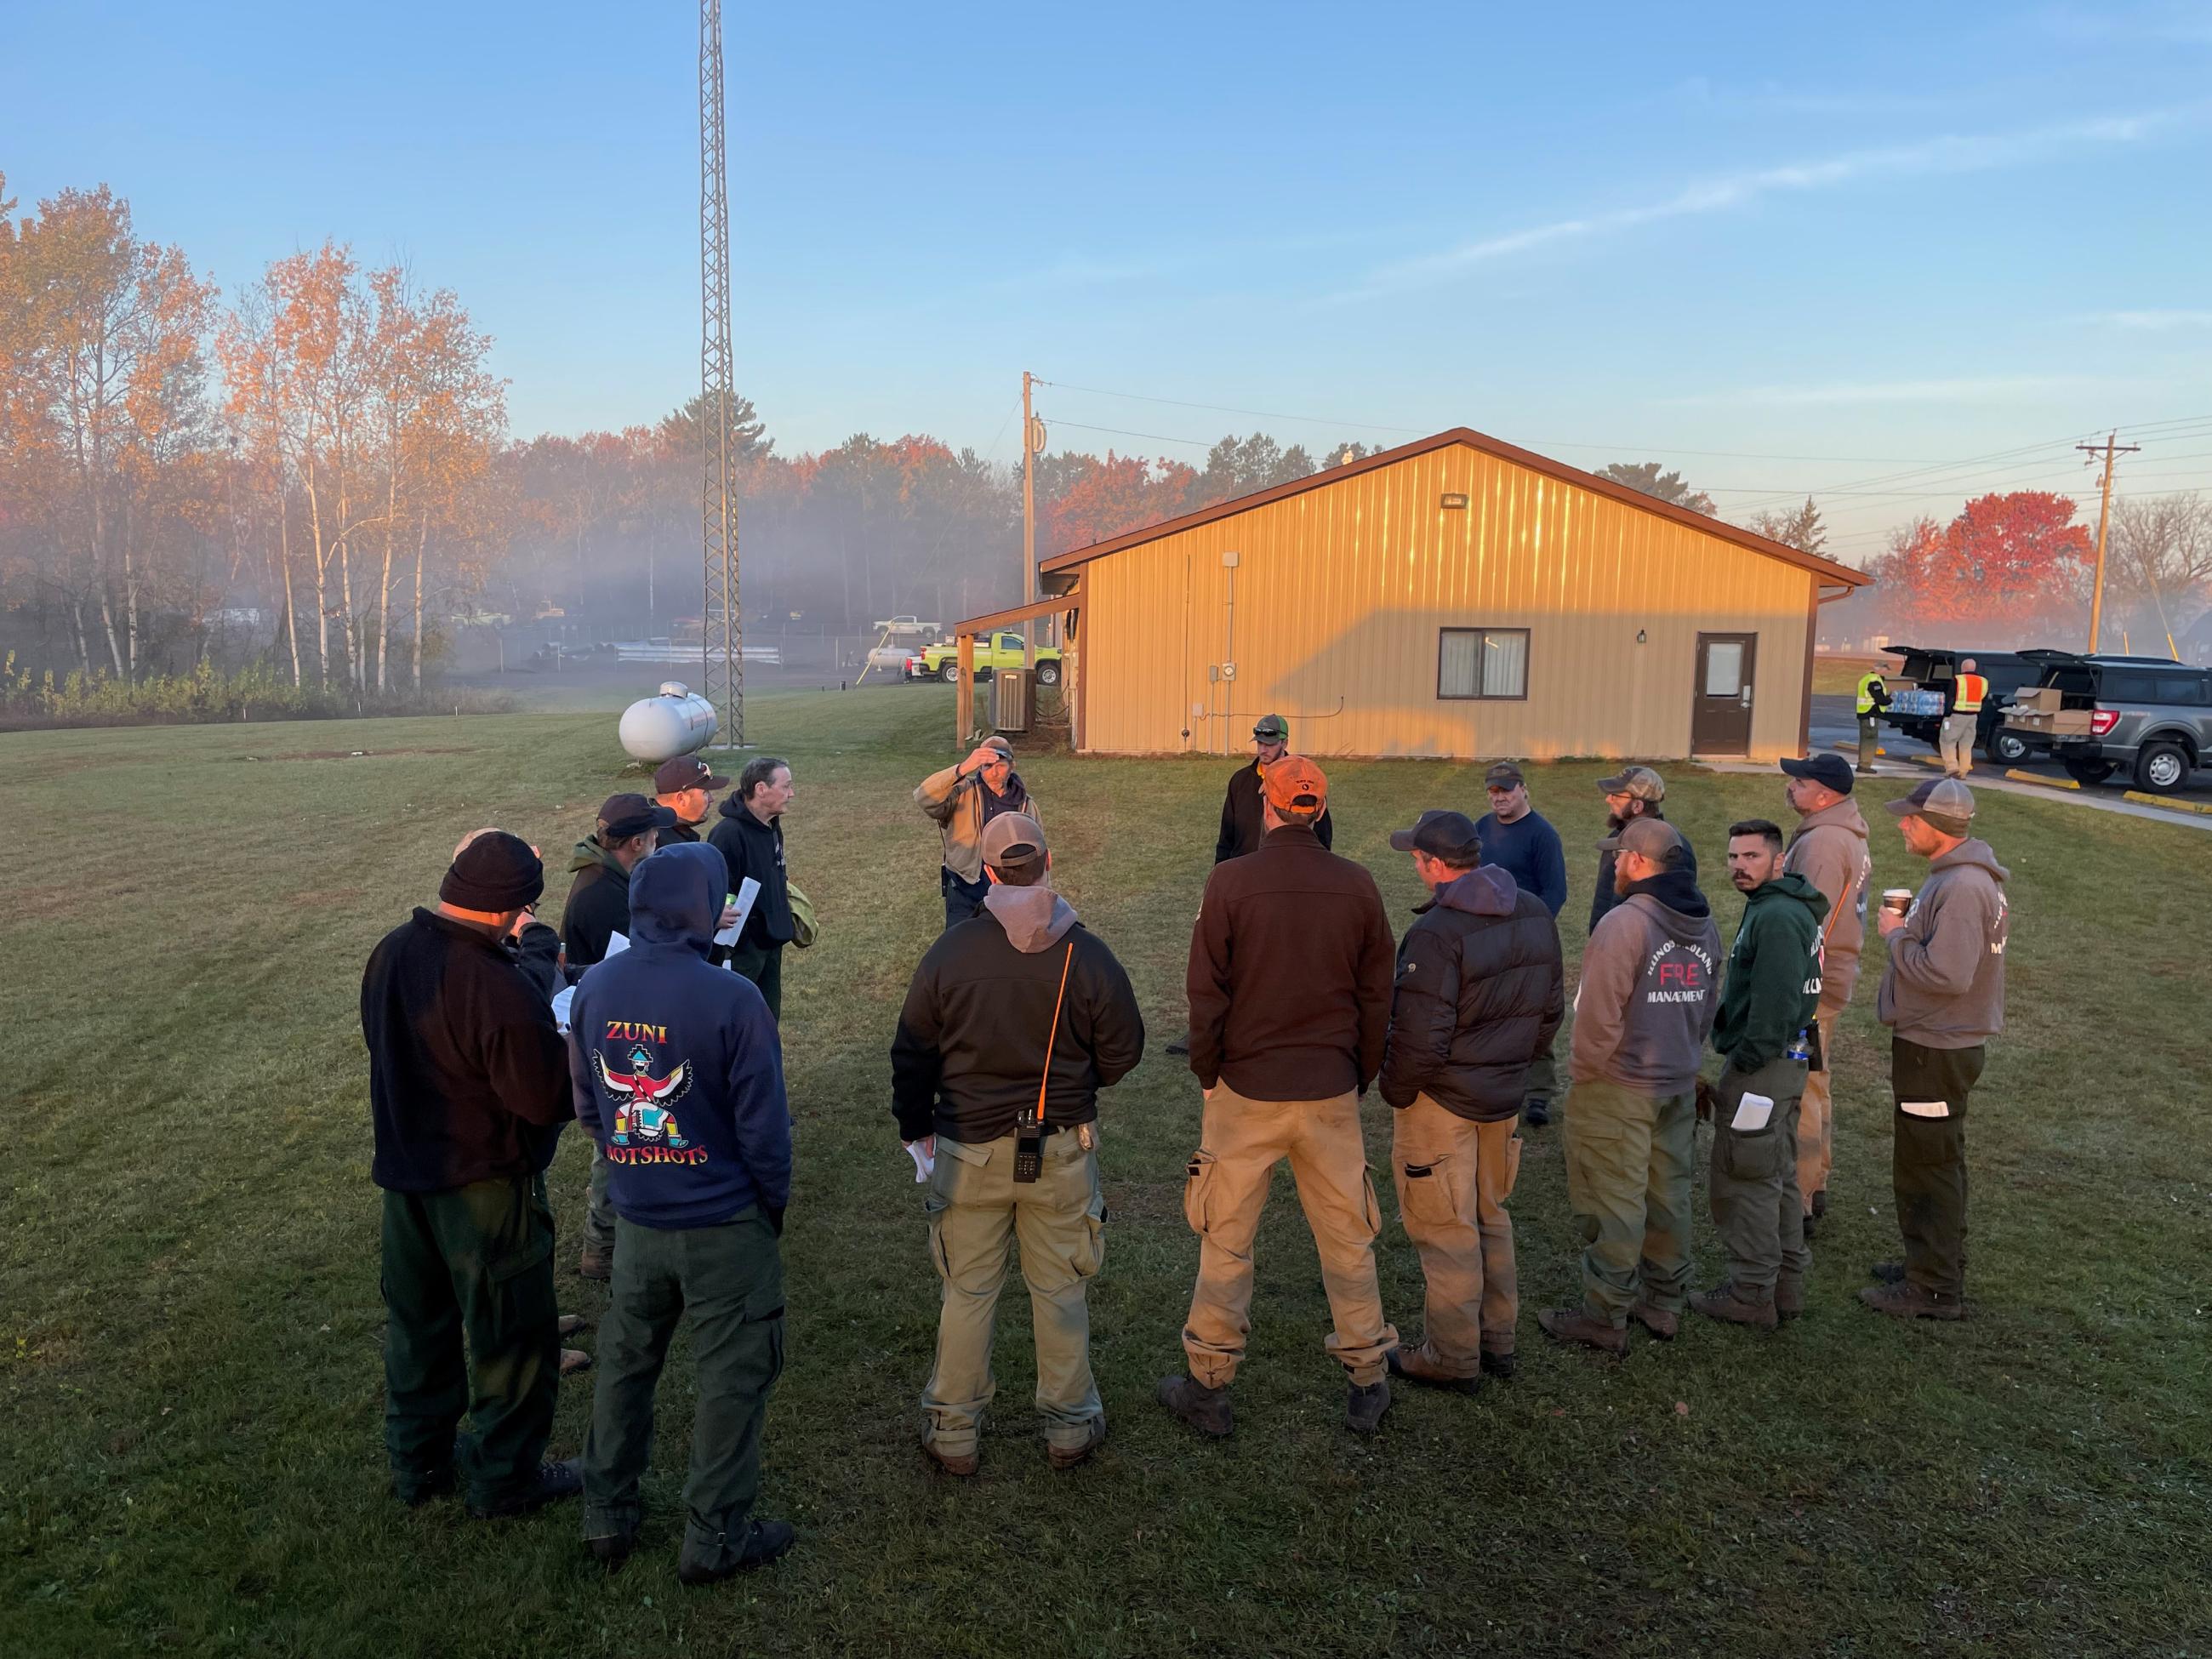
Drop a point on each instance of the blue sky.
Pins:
(1828, 250)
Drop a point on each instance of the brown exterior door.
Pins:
(1719, 717)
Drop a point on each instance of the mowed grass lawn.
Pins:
(188, 1269)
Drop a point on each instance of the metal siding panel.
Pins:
(1342, 588)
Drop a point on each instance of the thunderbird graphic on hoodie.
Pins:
(1649, 990)
(657, 1026)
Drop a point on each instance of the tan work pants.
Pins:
(1242, 1142)
(1955, 739)
(1454, 1176)
(1816, 1126)
(977, 1213)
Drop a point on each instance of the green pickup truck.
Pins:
(992, 651)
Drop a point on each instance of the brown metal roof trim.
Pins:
(1830, 573)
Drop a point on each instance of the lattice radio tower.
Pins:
(724, 621)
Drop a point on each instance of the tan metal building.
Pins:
(1452, 598)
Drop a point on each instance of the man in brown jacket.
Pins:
(1830, 851)
(1290, 979)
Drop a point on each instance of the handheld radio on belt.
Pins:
(1028, 1128)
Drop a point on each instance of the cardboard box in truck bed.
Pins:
(2056, 723)
(2039, 700)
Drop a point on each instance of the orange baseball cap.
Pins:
(1296, 788)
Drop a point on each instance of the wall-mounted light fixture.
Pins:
(1454, 500)
(1639, 636)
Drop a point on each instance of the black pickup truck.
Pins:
(1919, 712)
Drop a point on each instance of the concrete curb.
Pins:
(2167, 804)
(2019, 776)
(1853, 749)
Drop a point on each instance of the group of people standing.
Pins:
(1019, 1017)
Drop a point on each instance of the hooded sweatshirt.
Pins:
(1604, 899)
(755, 849)
(599, 904)
(979, 1019)
(1830, 851)
(1772, 987)
(1481, 992)
(1944, 987)
(676, 1066)
(1647, 999)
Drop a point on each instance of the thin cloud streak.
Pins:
(1947, 154)
(2154, 322)
(1962, 390)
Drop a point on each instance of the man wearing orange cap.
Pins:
(1291, 971)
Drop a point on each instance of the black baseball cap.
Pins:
(686, 772)
(622, 816)
(1442, 835)
(1831, 769)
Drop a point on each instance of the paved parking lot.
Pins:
(1833, 722)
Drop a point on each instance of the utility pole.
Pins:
(722, 621)
(2109, 447)
(1031, 446)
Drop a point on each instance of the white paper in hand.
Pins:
(561, 999)
(617, 944)
(923, 1162)
(748, 890)
(1752, 1113)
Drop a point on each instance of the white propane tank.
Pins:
(675, 721)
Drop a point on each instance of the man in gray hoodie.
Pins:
(1016, 1017)
(1942, 997)
(1830, 851)
(1650, 977)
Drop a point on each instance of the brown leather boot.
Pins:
(1067, 1457)
(1415, 1366)
(1788, 1297)
(1909, 1301)
(962, 1464)
(1737, 1304)
(1204, 1409)
(1657, 1321)
(1573, 1325)
(596, 1264)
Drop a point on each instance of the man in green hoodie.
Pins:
(1768, 998)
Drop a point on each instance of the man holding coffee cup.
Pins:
(1942, 996)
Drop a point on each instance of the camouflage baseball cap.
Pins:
(1637, 782)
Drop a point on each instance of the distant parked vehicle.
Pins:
(992, 652)
(2148, 717)
(1920, 694)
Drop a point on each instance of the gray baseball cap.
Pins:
(1271, 728)
(1013, 841)
(1945, 802)
(1649, 838)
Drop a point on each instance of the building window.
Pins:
(1482, 662)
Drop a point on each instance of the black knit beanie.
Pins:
(494, 872)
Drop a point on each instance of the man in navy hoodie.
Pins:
(678, 1076)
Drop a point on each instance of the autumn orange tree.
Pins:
(2011, 566)
(104, 412)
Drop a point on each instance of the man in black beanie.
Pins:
(468, 1081)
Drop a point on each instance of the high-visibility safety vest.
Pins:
(1972, 689)
(1872, 682)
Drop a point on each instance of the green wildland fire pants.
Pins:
(977, 1212)
(1928, 1163)
(1628, 1183)
(1752, 1181)
(472, 1266)
(729, 1279)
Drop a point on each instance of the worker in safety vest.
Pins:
(1968, 691)
(1873, 698)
